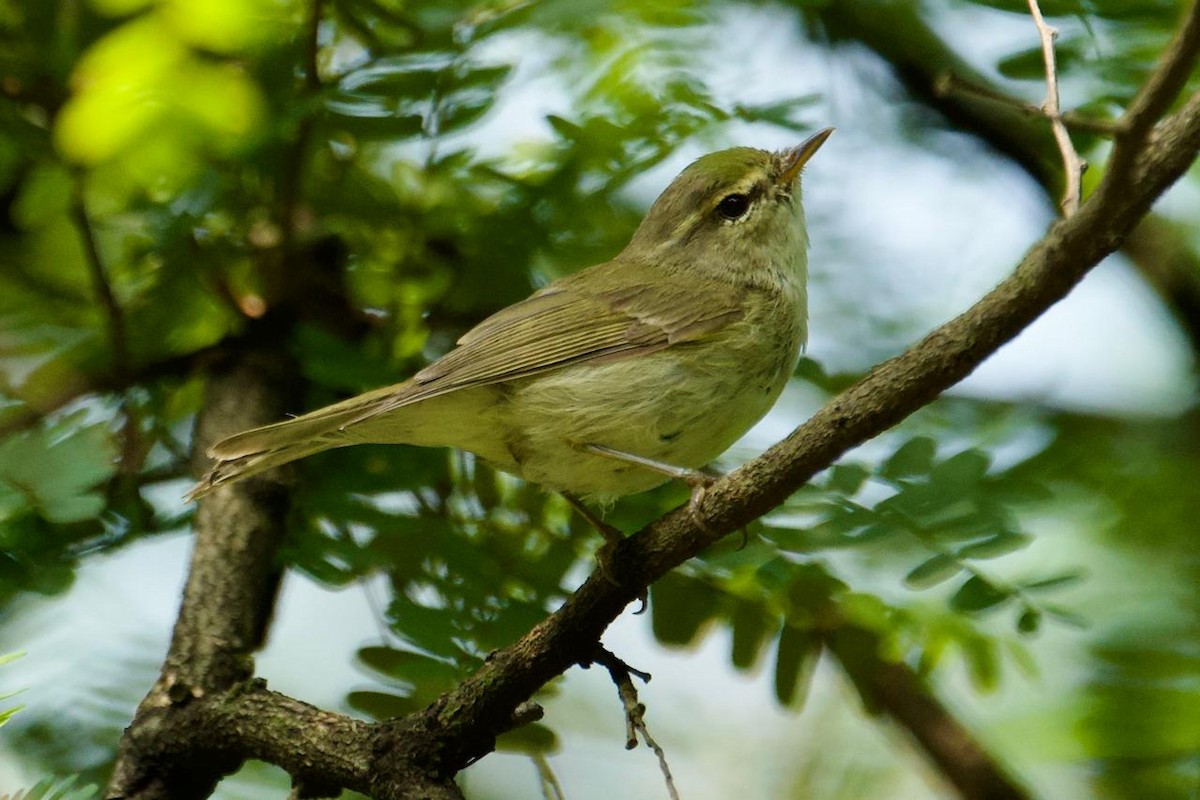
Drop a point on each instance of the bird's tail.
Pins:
(255, 451)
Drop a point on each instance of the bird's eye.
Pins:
(733, 206)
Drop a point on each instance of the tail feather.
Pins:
(230, 469)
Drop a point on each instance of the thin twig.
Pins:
(635, 711)
(948, 84)
(118, 338)
(290, 188)
(114, 317)
(1073, 165)
(551, 788)
(1157, 93)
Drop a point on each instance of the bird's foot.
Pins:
(612, 539)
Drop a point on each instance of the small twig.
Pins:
(114, 317)
(118, 339)
(551, 788)
(1073, 165)
(290, 188)
(635, 712)
(949, 84)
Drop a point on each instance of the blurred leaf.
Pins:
(914, 457)
(750, 625)
(531, 739)
(680, 607)
(795, 662)
(1030, 621)
(54, 471)
(382, 705)
(1028, 64)
(993, 547)
(416, 669)
(1053, 582)
(977, 594)
(54, 788)
(846, 479)
(939, 568)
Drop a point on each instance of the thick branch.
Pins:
(229, 594)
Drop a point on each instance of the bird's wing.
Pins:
(569, 323)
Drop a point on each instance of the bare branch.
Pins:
(1073, 165)
(228, 598)
(948, 84)
(635, 712)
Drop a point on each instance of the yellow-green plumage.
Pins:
(670, 351)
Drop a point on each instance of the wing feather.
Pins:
(571, 322)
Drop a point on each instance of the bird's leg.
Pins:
(697, 480)
(612, 538)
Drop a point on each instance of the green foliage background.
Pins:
(177, 181)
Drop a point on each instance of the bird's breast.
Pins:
(683, 405)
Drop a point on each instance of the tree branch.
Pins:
(204, 715)
(228, 599)
(1157, 94)
(1073, 166)
(1161, 249)
(883, 398)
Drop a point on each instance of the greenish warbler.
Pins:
(617, 378)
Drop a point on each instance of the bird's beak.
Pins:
(795, 159)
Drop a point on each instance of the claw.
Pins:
(699, 483)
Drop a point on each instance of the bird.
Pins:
(617, 378)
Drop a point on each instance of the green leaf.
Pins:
(1030, 621)
(55, 470)
(750, 623)
(532, 739)
(914, 457)
(939, 568)
(54, 788)
(1059, 581)
(846, 478)
(1029, 65)
(999, 545)
(45, 193)
(382, 705)
(783, 113)
(680, 607)
(960, 473)
(795, 662)
(415, 669)
(983, 662)
(430, 629)
(977, 594)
